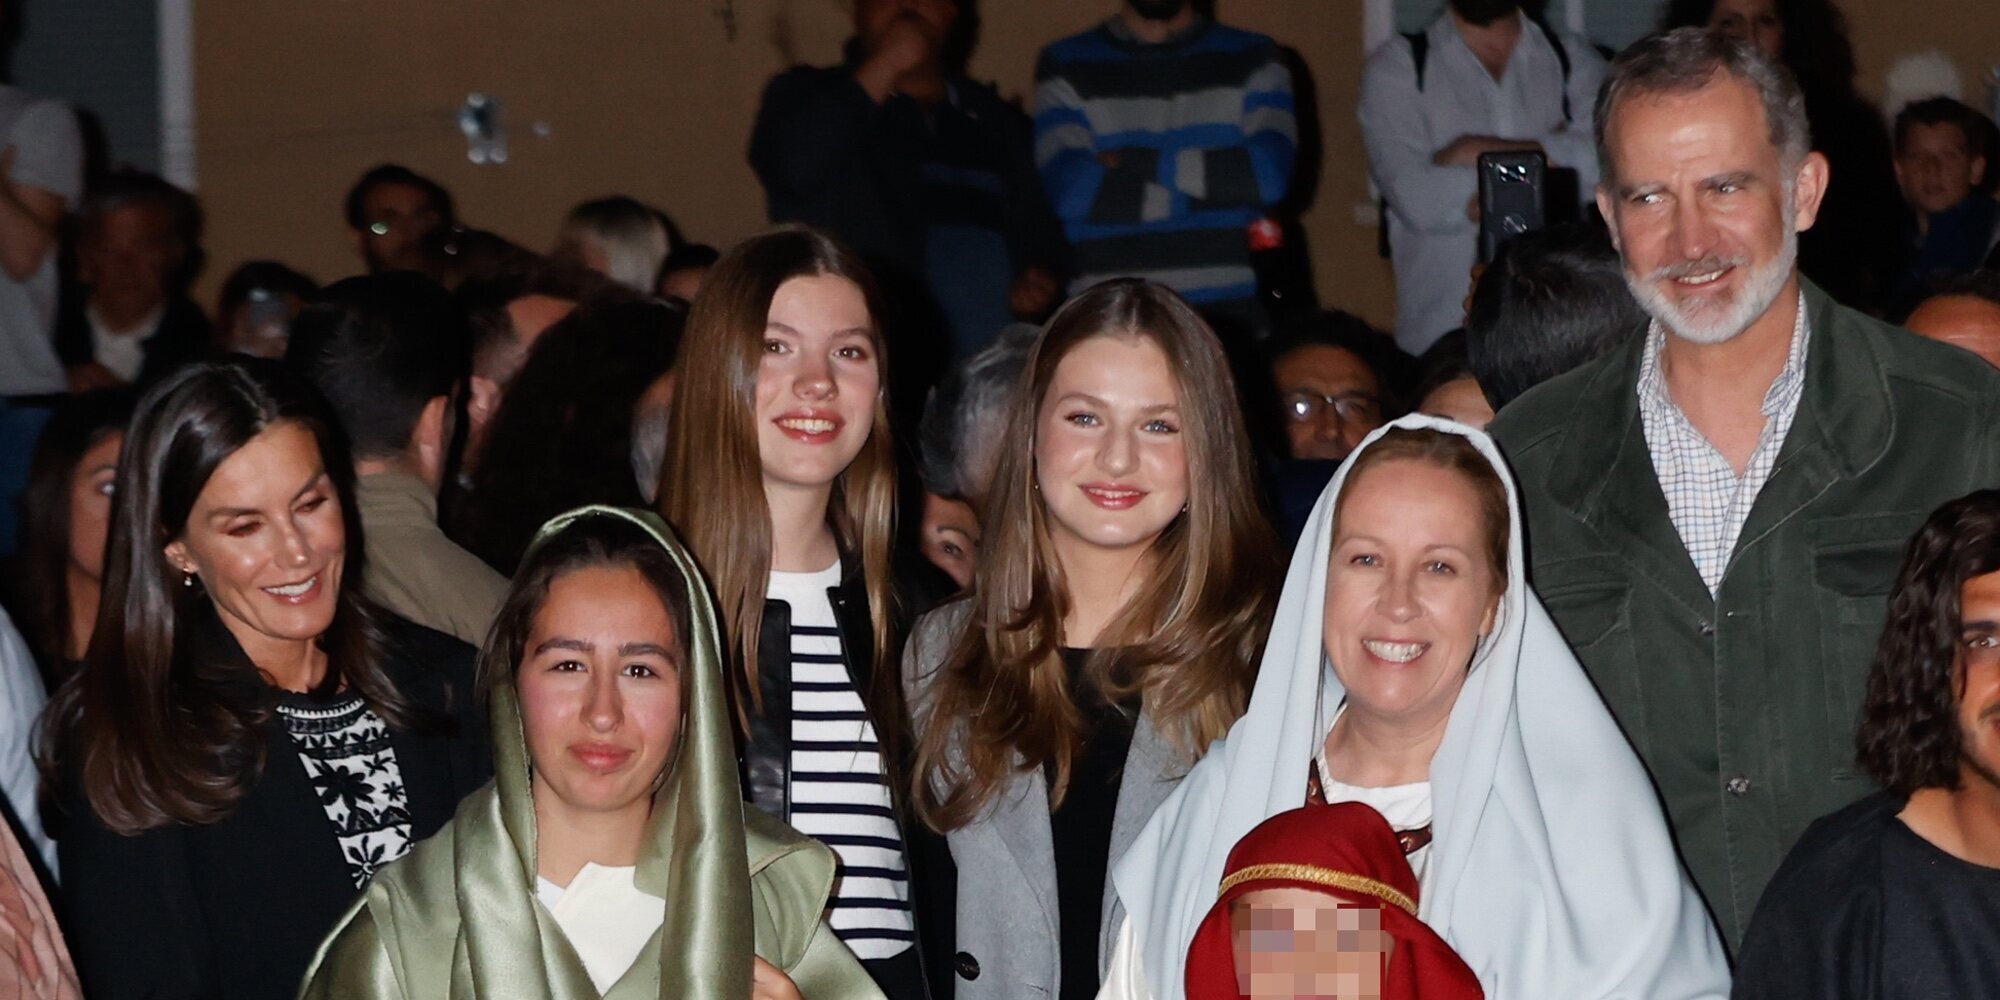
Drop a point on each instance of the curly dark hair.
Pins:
(1909, 736)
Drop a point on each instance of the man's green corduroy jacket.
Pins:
(1744, 705)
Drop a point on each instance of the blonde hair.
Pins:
(1188, 641)
(712, 479)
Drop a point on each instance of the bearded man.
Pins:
(1717, 510)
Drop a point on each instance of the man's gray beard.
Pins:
(1758, 293)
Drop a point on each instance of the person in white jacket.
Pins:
(1410, 667)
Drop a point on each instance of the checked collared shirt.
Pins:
(1706, 500)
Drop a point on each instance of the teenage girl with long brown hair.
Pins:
(1120, 603)
(780, 474)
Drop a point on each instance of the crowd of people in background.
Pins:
(893, 603)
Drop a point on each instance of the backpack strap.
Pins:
(1562, 59)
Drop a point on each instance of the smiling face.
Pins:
(1979, 681)
(1704, 211)
(817, 383)
(92, 484)
(268, 541)
(600, 689)
(1110, 461)
(1410, 589)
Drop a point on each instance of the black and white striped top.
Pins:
(839, 789)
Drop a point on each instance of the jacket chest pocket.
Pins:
(1591, 606)
(1854, 565)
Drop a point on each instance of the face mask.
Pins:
(1484, 12)
(1159, 10)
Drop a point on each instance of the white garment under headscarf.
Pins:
(1551, 871)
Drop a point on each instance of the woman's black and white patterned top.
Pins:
(352, 768)
(839, 791)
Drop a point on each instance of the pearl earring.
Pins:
(187, 579)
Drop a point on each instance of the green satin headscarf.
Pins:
(694, 839)
(458, 917)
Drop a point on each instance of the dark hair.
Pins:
(1909, 735)
(1944, 111)
(1394, 370)
(1981, 284)
(134, 189)
(79, 424)
(563, 435)
(600, 540)
(1445, 361)
(166, 726)
(1816, 50)
(689, 256)
(1550, 301)
(356, 206)
(1456, 453)
(965, 413)
(1982, 137)
(269, 276)
(380, 347)
(495, 345)
(1686, 60)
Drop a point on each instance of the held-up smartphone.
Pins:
(1512, 198)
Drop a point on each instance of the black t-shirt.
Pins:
(1940, 922)
(1865, 909)
(1081, 829)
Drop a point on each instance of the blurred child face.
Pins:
(1297, 943)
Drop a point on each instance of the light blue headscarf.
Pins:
(1552, 872)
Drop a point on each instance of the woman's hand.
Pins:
(768, 982)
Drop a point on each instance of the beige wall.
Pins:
(654, 98)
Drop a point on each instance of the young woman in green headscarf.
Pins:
(612, 855)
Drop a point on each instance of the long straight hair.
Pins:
(165, 724)
(712, 481)
(1187, 641)
(80, 424)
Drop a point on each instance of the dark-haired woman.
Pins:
(1118, 605)
(1855, 249)
(247, 741)
(612, 856)
(65, 515)
(780, 472)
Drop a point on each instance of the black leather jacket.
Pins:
(766, 756)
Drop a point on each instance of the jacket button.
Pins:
(1738, 785)
(966, 966)
(1707, 628)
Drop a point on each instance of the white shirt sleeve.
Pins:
(1399, 144)
(48, 150)
(1124, 979)
(21, 700)
(1575, 145)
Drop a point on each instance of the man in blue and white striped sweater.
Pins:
(1161, 136)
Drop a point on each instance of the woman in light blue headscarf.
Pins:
(1411, 668)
